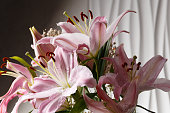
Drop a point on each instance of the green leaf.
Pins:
(79, 106)
(23, 62)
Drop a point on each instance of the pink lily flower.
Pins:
(18, 87)
(65, 75)
(108, 105)
(128, 70)
(41, 49)
(88, 40)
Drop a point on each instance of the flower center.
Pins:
(83, 29)
(132, 68)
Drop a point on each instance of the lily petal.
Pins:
(53, 104)
(150, 71)
(43, 94)
(162, 84)
(18, 82)
(97, 39)
(94, 106)
(21, 70)
(111, 29)
(68, 27)
(110, 78)
(42, 84)
(66, 40)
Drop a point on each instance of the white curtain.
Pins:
(148, 36)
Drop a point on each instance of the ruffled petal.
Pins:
(68, 27)
(101, 19)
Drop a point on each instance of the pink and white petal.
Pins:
(45, 40)
(70, 41)
(5, 101)
(149, 72)
(101, 19)
(95, 106)
(111, 29)
(21, 70)
(43, 94)
(52, 105)
(128, 103)
(17, 83)
(68, 27)
(163, 84)
(35, 34)
(43, 84)
(97, 37)
(82, 76)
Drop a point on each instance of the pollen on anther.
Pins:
(91, 14)
(3, 65)
(50, 54)
(42, 64)
(32, 68)
(82, 18)
(76, 18)
(41, 57)
(5, 59)
(69, 20)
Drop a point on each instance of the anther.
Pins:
(91, 14)
(32, 68)
(82, 18)
(134, 57)
(5, 59)
(138, 65)
(129, 69)
(3, 65)
(85, 16)
(124, 64)
(132, 63)
(42, 64)
(69, 20)
(52, 58)
(76, 18)
(2, 72)
(41, 57)
(50, 54)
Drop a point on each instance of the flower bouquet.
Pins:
(80, 69)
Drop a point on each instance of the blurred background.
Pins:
(149, 33)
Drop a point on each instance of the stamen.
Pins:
(3, 65)
(5, 59)
(91, 14)
(69, 20)
(52, 58)
(82, 18)
(32, 68)
(129, 69)
(41, 57)
(138, 65)
(42, 64)
(2, 72)
(85, 16)
(76, 18)
(134, 57)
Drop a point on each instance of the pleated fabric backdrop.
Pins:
(149, 35)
